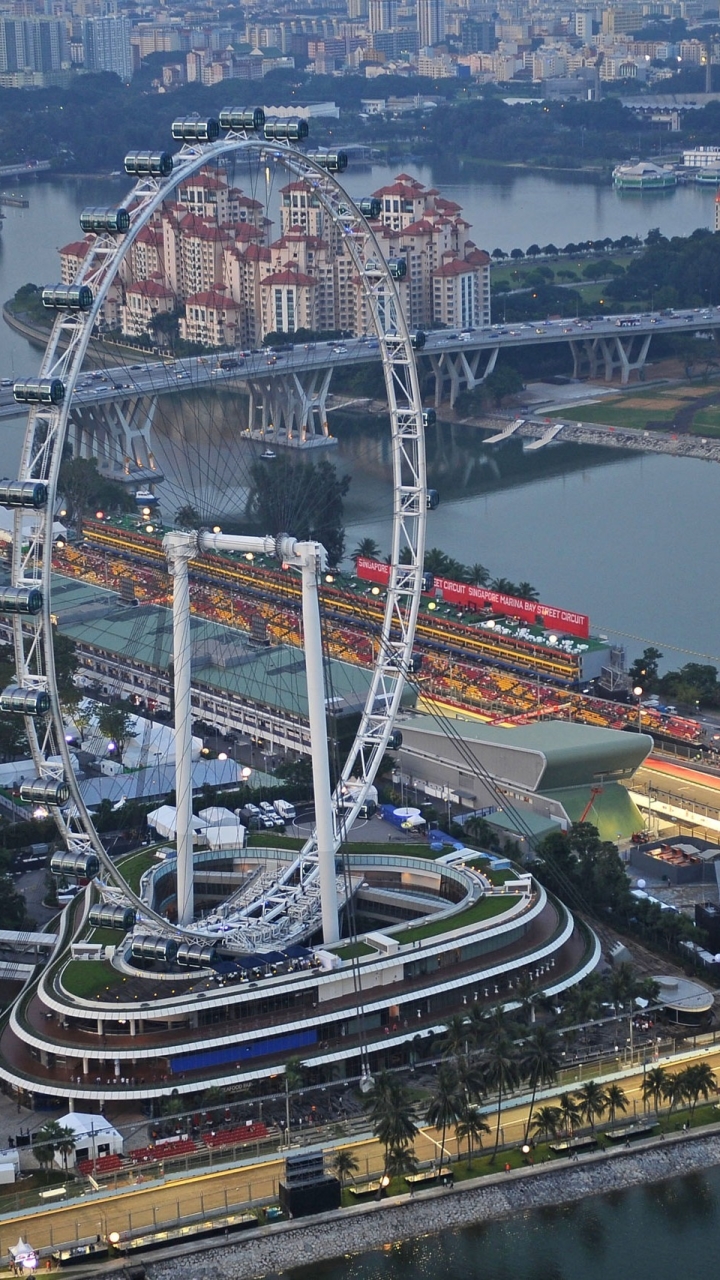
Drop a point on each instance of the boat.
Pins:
(642, 175)
(708, 177)
(268, 454)
(146, 498)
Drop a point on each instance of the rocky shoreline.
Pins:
(292, 1244)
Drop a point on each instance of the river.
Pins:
(643, 1233)
(629, 540)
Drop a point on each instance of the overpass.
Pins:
(113, 408)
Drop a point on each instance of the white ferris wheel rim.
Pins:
(42, 454)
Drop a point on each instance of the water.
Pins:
(643, 1233)
(628, 540)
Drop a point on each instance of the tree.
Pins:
(65, 1144)
(547, 1121)
(533, 251)
(675, 1090)
(498, 254)
(390, 1109)
(84, 489)
(115, 720)
(446, 1104)
(366, 547)
(539, 1062)
(477, 575)
(699, 1082)
(470, 1127)
(527, 591)
(501, 1073)
(592, 1102)
(569, 1112)
(345, 1165)
(188, 517)
(400, 1161)
(305, 498)
(45, 1143)
(550, 250)
(516, 254)
(456, 1036)
(644, 670)
(616, 1100)
(503, 382)
(653, 1087)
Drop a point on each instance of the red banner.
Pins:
(470, 597)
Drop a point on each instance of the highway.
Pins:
(125, 381)
(141, 1205)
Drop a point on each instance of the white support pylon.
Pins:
(180, 547)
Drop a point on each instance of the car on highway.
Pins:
(340, 350)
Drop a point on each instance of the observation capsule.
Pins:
(152, 946)
(418, 340)
(39, 391)
(25, 702)
(26, 600)
(370, 207)
(433, 499)
(428, 582)
(195, 129)
(415, 663)
(333, 161)
(286, 130)
(98, 219)
(242, 118)
(84, 866)
(68, 297)
(45, 791)
(155, 164)
(195, 955)
(429, 417)
(106, 916)
(395, 740)
(31, 494)
(397, 268)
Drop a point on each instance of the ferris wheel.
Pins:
(180, 416)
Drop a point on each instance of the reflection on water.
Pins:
(649, 1233)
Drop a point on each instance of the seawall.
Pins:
(306, 1241)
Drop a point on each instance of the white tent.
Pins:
(94, 1137)
(216, 816)
(228, 836)
(23, 1255)
(164, 821)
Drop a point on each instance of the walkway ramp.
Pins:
(505, 435)
(546, 437)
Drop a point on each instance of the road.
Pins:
(141, 1206)
(125, 381)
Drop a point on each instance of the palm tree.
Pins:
(470, 1127)
(399, 1161)
(45, 1143)
(436, 561)
(569, 1112)
(592, 1102)
(653, 1087)
(478, 575)
(699, 1083)
(547, 1121)
(447, 1103)
(390, 1110)
(501, 1073)
(621, 983)
(616, 1100)
(65, 1144)
(539, 1064)
(470, 1079)
(345, 1165)
(503, 585)
(187, 517)
(675, 1089)
(456, 1036)
(527, 591)
(367, 547)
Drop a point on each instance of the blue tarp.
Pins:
(236, 1053)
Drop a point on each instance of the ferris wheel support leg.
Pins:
(317, 716)
(180, 549)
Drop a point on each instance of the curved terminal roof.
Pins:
(547, 756)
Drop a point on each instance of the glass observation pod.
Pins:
(333, 161)
(194, 129)
(23, 493)
(84, 866)
(433, 499)
(106, 916)
(195, 955)
(242, 118)
(147, 946)
(68, 297)
(153, 164)
(370, 207)
(25, 702)
(418, 340)
(45, 791)
(397, 268)
(429, 417)
(26, 600)
(286, 130)
(395, 740)
(99, 219)
(39, 391)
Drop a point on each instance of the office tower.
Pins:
(431, 22)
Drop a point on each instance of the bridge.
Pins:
(113, 409)
(25, 170)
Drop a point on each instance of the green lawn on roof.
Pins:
(485, 909)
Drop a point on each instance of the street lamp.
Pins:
(638, 694)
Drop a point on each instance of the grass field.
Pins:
(88, 978)
(707, 422)
(483, 910)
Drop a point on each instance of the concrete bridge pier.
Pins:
(457, 371)
(117, 433)
(610, 353)
(290, 408)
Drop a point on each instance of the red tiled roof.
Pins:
(77, 249)
(288, 276)
(212, 298)
(477, 257)
(150, 289)
(455, 267)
